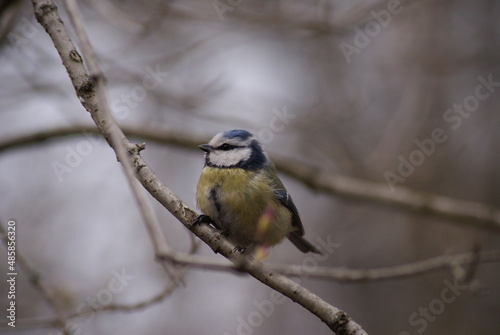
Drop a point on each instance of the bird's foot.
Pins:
(206, 220)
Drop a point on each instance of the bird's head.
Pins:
(234, 148)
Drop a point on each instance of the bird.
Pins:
(241, 193)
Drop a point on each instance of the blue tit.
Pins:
(239, 186)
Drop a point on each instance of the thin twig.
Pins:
(116, 138)
(412, 269)
(61, 320)
(26, 323)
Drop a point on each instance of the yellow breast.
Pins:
(236, 199)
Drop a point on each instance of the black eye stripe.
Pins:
(226, 147)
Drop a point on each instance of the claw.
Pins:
(206, 220)
(203, 219)
(239, 249)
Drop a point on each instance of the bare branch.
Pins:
(345, 275)
(470, 213)
(116, 138)
(458, 211)
(92, 99)
(61, 320)
(129, 308)
(27, 323)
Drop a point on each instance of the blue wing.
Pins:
(284, 198)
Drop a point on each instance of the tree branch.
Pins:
(61, 320)
(56, 322)
(337, 274)
(85, 87)
(472, 214)
(26, 323)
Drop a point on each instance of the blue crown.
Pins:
(237, 133)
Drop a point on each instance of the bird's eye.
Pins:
(226, 147)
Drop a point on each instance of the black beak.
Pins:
(205, 147)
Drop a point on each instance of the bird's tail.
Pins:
(302, 244)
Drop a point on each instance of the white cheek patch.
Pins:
(229, 158)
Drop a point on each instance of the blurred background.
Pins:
(351, 87)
